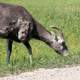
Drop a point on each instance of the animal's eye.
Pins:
(63, 43)
(23, 32)
(26, 30)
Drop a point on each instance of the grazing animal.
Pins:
(17, 24)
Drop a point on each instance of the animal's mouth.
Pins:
(23, 38)
(63, 53)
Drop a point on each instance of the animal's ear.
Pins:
(20, 20)
(58, 31)
(13, 22)
(52, 33)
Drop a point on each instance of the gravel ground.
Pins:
(72, 73)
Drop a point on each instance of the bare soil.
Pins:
(71, 73)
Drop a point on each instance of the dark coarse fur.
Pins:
(9, 27)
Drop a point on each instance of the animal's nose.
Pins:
(65, 53)
(23, 38)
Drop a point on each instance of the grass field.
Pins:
(62, 13)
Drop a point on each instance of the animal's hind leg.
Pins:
(9, 50)
(29, 50)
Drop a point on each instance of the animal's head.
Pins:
(24, 29)
(58, 42)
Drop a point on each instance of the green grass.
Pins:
(63, 13)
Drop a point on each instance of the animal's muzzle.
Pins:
(65, 53)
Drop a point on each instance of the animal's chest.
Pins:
(13, 36)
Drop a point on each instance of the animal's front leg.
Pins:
(29, 50)
(9, 50)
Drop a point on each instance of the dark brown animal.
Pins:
(17, 24)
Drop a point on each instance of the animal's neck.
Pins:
(41, 33)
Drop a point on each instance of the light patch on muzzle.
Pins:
(22, 35)
(65, 53)
(60, 40)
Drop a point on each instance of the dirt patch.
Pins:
(72, 73)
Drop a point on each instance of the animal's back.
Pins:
(9, 12)
(8, 9)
